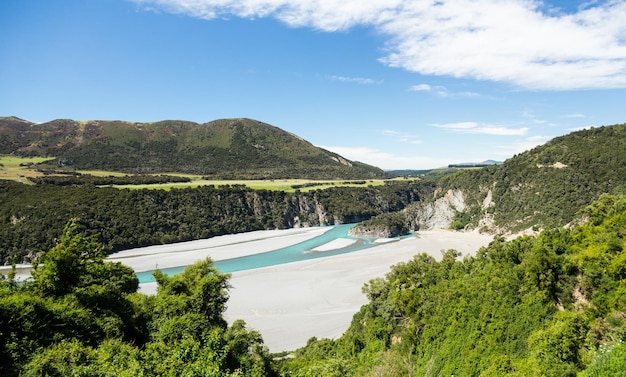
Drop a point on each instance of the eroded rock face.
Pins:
(438, 214)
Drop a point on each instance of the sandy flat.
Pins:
(339, 243)
(290, 303)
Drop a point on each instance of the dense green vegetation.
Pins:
(550, 305)
(32, 217)
(547, 185)
(81, 316)
(222, 149)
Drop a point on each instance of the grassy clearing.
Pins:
(102, 173)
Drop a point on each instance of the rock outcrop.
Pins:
(376, 231)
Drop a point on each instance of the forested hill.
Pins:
(542, 187)
(226, 148)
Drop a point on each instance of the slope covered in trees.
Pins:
(544, 186)
(226, 148)
(550, 305)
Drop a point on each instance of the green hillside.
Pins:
(33, 216)
(544, 186)
(227, 148)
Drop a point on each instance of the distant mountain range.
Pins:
(226, 148)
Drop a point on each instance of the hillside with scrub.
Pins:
(33, 216)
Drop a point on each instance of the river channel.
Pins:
(294, 253)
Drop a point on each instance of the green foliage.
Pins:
(461, 220)
(200, 289)
(550, 305)
(77, 179)
(384, 225)
(609, 361)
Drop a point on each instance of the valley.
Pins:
(517, 267)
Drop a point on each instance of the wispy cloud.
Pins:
(388, 161)
(442, 91)
(519, 146)
(588, 127)
(356, 80)
(519, 42)
(403, 137)
(483, 129)
(574, 115)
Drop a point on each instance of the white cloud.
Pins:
(390, 132)
(403, 137)
(525, 43)
(476, 128)
(388, 161)
(421, 88)
(356, 80)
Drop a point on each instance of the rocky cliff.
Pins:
(437, 213)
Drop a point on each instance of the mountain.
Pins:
(542, 187)
(226, 148)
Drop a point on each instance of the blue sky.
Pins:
(399, 84)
